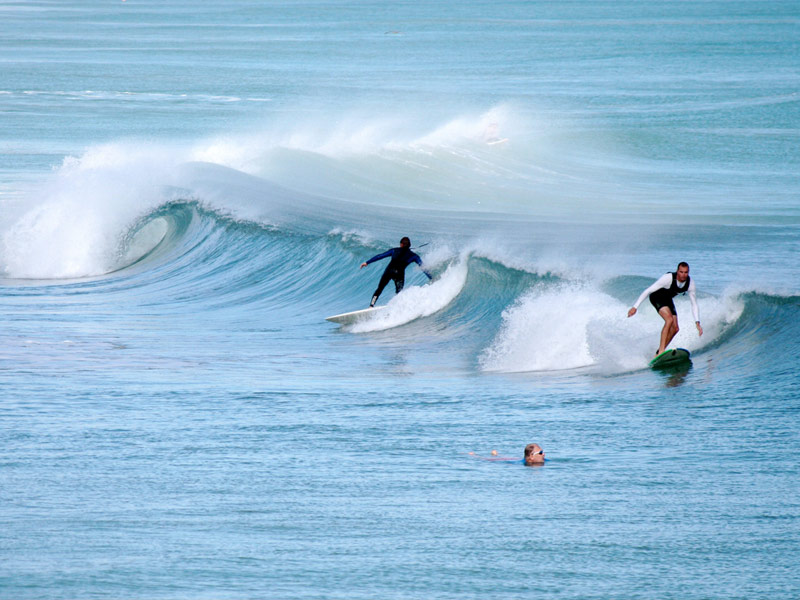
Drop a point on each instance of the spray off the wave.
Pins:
(76, 223)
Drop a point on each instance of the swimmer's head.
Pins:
(534, 455)
(405, 243)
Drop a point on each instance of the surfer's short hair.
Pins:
(405, 242)
(683, 264)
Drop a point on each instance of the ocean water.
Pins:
(188, 188)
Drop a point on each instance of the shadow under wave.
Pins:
(154, 236)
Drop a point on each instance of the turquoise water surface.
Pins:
(188, 190)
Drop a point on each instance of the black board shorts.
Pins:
(661, 298)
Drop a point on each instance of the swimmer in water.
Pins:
(533, 456)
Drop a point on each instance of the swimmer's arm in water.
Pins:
(494, 457)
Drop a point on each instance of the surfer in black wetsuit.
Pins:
(661, 294)
(396, 269)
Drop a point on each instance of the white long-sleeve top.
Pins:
(665, 282)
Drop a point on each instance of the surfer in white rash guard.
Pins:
(661, 294)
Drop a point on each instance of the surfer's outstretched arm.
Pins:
(662, 282)
(695, 309)
(415, 258)
(424, 270)
(378, 257)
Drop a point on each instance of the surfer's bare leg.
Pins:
(670, 328)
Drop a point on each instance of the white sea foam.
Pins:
(417, 301)
(574, 325)
(353, 134)
(73, 224)
(76, 226)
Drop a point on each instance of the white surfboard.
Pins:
(357, 315)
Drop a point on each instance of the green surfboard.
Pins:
(671, 358)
